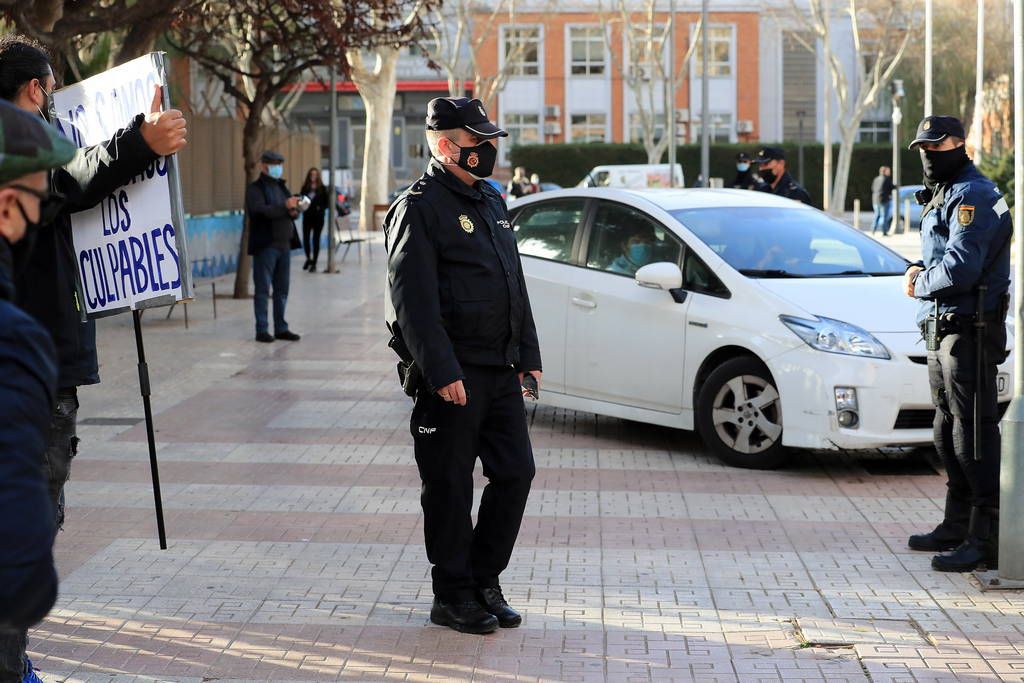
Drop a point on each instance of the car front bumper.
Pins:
(893, 396)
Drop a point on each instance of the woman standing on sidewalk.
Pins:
(313, 219)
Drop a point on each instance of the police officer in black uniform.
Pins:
(772, 169)
(965, 240)
(746, 175)
(460, 321)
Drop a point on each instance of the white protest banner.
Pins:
(130, 249)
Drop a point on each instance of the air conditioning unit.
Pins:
(552, 128)
(552, 111)
(744, 126)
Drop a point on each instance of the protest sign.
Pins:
(130, 249)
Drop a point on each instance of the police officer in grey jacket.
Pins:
(459, 313)
(965, 240)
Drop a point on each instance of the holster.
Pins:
(409, 374)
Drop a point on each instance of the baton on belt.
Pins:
(979, 367)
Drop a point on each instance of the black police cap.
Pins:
(937, 129)
(766, 154)
(743, 156)
(271, 157)
(449, 113)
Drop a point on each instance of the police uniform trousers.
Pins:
(448, 440)
(951, 374)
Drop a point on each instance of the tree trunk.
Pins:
(251, 155)
(377, 90)
(838, 203)
(139, 40)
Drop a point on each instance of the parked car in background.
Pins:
(760, 322)
(632, 176)
(549, 187)
(907, 193)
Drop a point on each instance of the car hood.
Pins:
(875, 304)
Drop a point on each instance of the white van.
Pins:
(632, 176)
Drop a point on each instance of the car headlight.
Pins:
(835, 336)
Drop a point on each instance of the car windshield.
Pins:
(781, 243)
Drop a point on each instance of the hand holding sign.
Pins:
(164, 131)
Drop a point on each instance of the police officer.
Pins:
(746, 176)
(771, 163)
(460, 319)
(965, 239)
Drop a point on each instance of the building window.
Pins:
(587, 48)
(636, 129)
(719, 53)
(588, 127)
(523, 129)
(721, 128)
(522, 51)
(875, 131)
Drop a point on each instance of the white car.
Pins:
(761, 322)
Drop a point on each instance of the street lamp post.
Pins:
(800, 145)
(896, 88)
(332, 204)
(670, 105)
(705, 119)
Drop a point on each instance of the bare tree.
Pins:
(454, 44)
(66, 27)
(644, 67)
(260, 49)
(880, 32)
(376, 85)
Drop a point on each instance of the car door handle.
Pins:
(585, 303)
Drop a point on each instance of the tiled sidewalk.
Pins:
(296, 554)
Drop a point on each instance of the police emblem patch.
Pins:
(473, 160)
(926, 125)
(965, 214)
(466, 224)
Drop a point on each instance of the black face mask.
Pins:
(50, 205)
(768, 175)
(478, 160)
(941, 167)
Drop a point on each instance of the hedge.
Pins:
(567, 164)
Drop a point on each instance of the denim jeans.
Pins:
(271, 267)
(882, 218)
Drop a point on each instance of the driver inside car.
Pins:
(637, 251)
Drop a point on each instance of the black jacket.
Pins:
(28, 378)
(47, 287)
(788, 188)
(881, 190)
(265, 207)
(745, 180)
(456, 293)
(314, 215)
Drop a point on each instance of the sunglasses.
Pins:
(50, 202)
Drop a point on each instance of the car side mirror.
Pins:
(663, 275)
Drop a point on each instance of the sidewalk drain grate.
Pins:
(111, 421)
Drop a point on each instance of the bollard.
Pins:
(906, 216)
(856, 214)
(213, 290)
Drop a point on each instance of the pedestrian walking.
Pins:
(47, 285)
(771, 163)
(272, 210)
(963, 285)
(746, 177)
(460, 317)
(520, 185)
(881, 200)
(313, 189)
(28, 389)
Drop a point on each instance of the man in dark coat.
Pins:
(28, 379)
(746, 176)
(47, 286)
(272, 235)
(881, 200)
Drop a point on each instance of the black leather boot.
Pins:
(950, 533)
(494, 602)
(981, 547)
(465, 617)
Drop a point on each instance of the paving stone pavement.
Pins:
(295, 551)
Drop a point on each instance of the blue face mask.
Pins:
(742, 168)
(640, 253)
(275, 171)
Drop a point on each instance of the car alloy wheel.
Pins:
(739, 414)
(747, 414)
